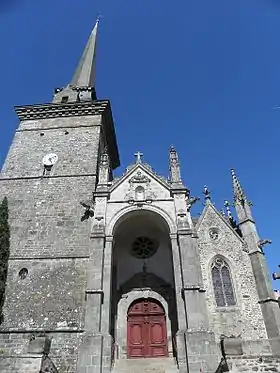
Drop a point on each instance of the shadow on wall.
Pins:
(47, 365)
(4, 251)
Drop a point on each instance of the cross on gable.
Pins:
(138, 156)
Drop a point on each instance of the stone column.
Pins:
(194, 294)
(181, 311)
(94, 291)
(107, 302)
(202, 350)
(269, 305)
(95, 350)
(106, 284)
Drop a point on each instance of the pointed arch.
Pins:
(222, 282)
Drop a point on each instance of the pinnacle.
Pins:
(238, 192)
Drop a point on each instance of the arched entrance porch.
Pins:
(142, 269)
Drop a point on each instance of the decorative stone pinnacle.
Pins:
(104, 159)
(138, 156)
(239, 195)
(174, 166)
(207, 193)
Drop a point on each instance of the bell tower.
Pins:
(51, 168)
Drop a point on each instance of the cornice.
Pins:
(52, 110)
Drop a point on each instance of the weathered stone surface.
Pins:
(253, 364)
(245, 318)
(39, 345)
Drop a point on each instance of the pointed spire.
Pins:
(241, 203)
(174, 166)
(238, 193)
(82, 86)
(85, 73)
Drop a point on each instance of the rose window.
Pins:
(144, 247)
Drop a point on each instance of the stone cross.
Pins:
(138, 156)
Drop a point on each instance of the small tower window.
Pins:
(23, 273)
(64, 99)
(140, 193)
(222, 283)
(47, 170)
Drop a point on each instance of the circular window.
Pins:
(214, 233)
(23, 273)
(144, 248)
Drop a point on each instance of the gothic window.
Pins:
(222, 283)
(139, 193)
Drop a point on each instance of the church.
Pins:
(114, 273)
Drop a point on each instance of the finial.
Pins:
(172, 148)
(98, 19)
(227, 206)
(207, 194)
(222, 211)
(138, 156)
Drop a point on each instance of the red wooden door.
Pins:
(146, 330)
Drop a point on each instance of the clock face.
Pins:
(50, 159)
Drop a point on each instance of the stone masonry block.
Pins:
(39, 345)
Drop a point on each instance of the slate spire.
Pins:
(82, 86)
(85, 73)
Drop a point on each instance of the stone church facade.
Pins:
(115, 274)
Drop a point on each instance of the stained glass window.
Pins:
(222, 283)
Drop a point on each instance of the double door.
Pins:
(146, 330)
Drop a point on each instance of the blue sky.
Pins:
(202, 75)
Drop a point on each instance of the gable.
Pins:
(212, 223)
(139, 183)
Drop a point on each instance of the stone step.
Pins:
(145, 365)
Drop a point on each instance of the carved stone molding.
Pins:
(61, 110)
(139, 178)
(140, 181)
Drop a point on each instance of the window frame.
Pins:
(227, 304)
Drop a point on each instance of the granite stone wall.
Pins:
(252, 364)
(51, 297)
(245, 318)
(50, 242)
(18, 356)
